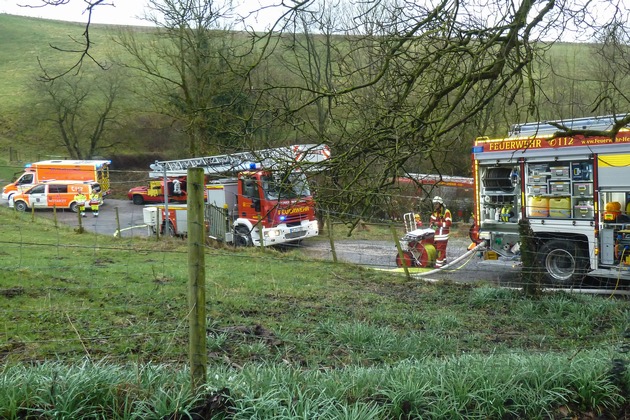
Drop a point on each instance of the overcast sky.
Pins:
(129, 12)
(123, 12)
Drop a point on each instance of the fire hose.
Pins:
(479, 247)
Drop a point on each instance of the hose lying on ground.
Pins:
(479, 247)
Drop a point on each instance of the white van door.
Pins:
(37, 196)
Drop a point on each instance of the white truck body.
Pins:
(565, 186)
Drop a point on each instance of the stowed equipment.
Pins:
(418, 249)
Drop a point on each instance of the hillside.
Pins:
(141, 131)
(26, 42)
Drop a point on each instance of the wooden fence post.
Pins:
(197, 279)
(118, 223)
(400, 251)
(330, 237)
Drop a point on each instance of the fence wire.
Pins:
(109, 318)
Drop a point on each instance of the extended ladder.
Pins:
(243, 161)
(444, 180)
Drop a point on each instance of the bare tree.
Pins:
(80, 109)
(191, 66)
(409, 82)
(610, 71)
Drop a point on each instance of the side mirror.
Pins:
(256, 203)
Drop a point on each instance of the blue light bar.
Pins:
(477, 149)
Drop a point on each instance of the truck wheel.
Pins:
(138, 200)
(564, 262)
(74, 207)
(242, 236)
(20, 206)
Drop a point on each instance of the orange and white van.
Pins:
(48, 170)
(54, 194)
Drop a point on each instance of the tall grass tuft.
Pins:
(464, 387)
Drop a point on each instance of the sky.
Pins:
(123, 12)
(129, 12)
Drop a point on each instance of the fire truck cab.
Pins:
(261, 208)
(573, 190)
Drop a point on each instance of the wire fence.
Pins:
(76, 296)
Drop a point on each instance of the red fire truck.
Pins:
(573, 190)
(268, 202)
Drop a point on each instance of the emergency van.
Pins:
(573, 189)
(54, 194)
(47, 170)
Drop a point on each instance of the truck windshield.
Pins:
(285, 186)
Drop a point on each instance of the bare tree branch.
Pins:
(84, 45)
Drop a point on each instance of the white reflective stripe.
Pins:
(441, 237)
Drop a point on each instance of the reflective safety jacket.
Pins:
(441, 222)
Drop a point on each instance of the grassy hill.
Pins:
(26, 42)
(32, 46)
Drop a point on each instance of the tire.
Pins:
(20, 206)
(74, 207)
(138, 200)
(242, 237)
(564, 262)
(407, 260)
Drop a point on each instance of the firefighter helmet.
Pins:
(438, 199)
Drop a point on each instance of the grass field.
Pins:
(332, 338)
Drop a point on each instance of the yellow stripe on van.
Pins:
(613, 160)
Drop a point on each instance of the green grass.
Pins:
(68, 295)
(289, 337)
(470, 386)
(26, 42)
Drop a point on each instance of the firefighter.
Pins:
(177, 187)
(441, 221)
(95, 201)
(80, 198)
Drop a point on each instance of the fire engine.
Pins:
(268, 202)
(573, 189)
(154, 192)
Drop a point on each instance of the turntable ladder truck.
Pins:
(258, 198)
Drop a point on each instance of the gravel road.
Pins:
(382, 255)
(125, 215)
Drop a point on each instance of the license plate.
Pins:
(296, 229)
